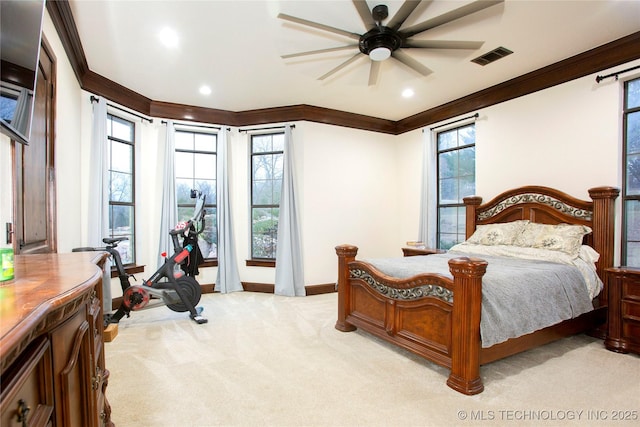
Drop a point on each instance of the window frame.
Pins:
(460, 203)
(627, 199)
(254, 260)
(110, 141)
(212, 261)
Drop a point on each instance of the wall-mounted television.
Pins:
(20, 33)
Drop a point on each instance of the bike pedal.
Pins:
(200, 320)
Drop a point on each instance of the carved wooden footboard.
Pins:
(439, 318)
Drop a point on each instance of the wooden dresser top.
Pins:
(43, 285)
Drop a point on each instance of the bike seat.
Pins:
(111, 240)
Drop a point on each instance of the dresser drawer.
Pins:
(631, 288)
(27, 389)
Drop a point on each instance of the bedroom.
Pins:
(566, 137)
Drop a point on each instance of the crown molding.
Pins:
(595, 60)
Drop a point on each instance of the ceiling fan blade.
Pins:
(402, 14)
(445, 18)
(410, 62)
(373, 72)
(442, 44)
(313, 52)
(319, 26)
(341, 66)
(365, 13)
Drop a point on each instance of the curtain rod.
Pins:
(164, 122)
(267, 128)
(475, 116)
(95, 99)
(600, 78)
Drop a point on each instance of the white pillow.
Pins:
(562, 237)
(497, 234)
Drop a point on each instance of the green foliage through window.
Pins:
(456, 180)
(121, 161)
(266, 185)
(196, 169)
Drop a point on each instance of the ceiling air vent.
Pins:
(494, 55)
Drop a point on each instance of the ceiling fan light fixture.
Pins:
(380, 53)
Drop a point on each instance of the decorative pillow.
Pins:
(497, 234)
(562, 237)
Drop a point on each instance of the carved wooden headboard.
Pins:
(550, 206)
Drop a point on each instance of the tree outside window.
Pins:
(266, 185)
(195, 169)
(120, 161)
(631, 181)
(456, 180)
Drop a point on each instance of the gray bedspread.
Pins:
(519, 296)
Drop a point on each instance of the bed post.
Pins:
(471, 204)
(346, 254)
(465, 339)
(604, 228)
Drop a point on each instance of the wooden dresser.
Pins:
(623, 333)
(51, 346)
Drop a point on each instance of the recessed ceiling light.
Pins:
(205, 90)
(408, 93)
(168, 37)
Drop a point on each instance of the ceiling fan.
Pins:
(382, 41)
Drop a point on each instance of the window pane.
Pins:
(456, 180)
(633, 133)
(447, 140)
(448, 220)
(205, 142)
(121, 186)
(448, 164)
(184, 164)
(261, 143)
(208, 188)
(633, 93)
(278, 142)
(121, 157)
(263, 192)
(205, 166)
(184, 141)
(467, 135)
(183, 190)
(264, 227)
(121, 129)
(632, 218)
(633, 175)
(120, 220)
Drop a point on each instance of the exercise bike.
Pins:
(178, 290)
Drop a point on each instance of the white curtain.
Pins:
(289, 266)
(20, 120)
(429, 194)
(98, 209)
(169, 209)
(228, 278)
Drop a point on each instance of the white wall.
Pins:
(357, 187)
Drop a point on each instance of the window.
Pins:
(195, 169)
(456, 180)
(120, 163)
(631, 178)
(266, 184)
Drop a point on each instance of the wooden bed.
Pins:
(448, 333)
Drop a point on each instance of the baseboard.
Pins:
(266, 288)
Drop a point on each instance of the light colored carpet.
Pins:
(266, 360)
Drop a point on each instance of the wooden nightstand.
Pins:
(623, 334)
(419, 250)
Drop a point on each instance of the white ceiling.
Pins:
(235, 48)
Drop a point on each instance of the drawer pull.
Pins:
(23, 412)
